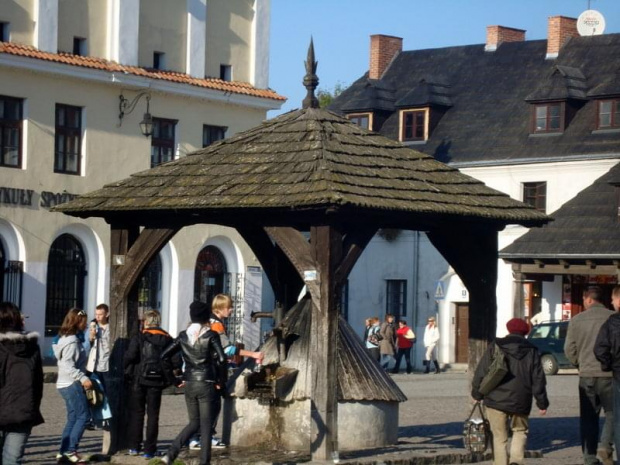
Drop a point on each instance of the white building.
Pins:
(77, 78)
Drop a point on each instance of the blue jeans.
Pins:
(78, 415)
(200, 398)
(386, 359)
(13, 444)
(594, 394)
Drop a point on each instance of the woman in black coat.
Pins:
(21, 384)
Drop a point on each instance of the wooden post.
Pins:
(472, 252)
(122, 238)
(130, 253)
(326, 243)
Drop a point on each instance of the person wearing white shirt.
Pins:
(431, 338)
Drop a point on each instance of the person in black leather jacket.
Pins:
(204, 358)
(607, 352)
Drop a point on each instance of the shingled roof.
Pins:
(490, 119)
(585, 228)
(303, 161)
(360, 378)
(233, 87)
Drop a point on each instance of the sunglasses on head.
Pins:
(81, 313)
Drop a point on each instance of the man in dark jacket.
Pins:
(595, 390)
(512, 398)
(150, 375)
(607, 352)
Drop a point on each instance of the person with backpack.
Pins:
(205, 374)
(21, 384)
(374, 338)
(508, 403)
(150, 375)
(71, 383)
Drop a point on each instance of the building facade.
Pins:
(82, 80)
(537, 120)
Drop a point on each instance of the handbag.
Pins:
(477, 431)
(410, 335)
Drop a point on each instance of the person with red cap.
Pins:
(509, 404)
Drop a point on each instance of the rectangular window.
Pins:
(226, 72)
(4, 31)
(162, 141)
(414, 125)
(548, 117)
(79, 46)
(535, 194)
(608, 114)
(363, 120)
(11, 110)
(159, 60)
(396, 297)
(68, 139)
(211, 134)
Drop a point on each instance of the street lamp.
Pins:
(126, 106)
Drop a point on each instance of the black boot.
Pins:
(427, 364)
(437, 371)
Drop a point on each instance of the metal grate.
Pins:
(66, 273)
(233, 286)
(12, 281)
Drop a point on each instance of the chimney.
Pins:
(383, 49)
(560, 29)
(498, 34)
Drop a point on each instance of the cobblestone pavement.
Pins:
(430, 429)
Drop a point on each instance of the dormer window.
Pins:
(363, 120)
(414, 125)
(549, 117)
(609, 114)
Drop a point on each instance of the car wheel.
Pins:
(549, 364)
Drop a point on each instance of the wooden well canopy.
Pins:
(313, 171)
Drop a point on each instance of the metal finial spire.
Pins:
(311, 80)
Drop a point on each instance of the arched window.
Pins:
(210, 274)
(66, 273)
(149, 287)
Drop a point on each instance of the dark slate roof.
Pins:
(490, 120)
(563, 83)
(304, 161)
(360, 378)
(585, 228)
(427, 93)
(374, 96)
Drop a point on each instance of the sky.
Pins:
(341, 31)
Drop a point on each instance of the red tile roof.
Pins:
(234, 87)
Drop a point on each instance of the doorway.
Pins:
(462, 333)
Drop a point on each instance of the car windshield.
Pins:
(546, 332)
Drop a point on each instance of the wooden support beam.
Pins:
(283, 277)
(137, 249)
(473, 255)
(326, 243)
(353, 245)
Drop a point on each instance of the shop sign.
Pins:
(25, 197)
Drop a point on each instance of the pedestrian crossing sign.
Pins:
(439, 292)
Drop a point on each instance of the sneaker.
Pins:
(74, 457)
(217, 443)
(147, 455)
(165, 460)
(133, 452)
(194, 445)
(59, 457)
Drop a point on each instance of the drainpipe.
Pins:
(415, 284)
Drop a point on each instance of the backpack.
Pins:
(374, 337)
(152, 369)
(496, 373)
(17, 389)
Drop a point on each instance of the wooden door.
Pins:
(462, 333)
